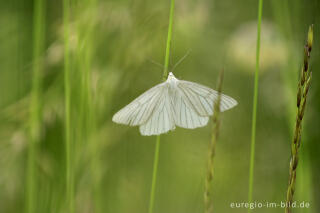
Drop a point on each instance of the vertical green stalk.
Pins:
(168, 48)
(154, 174)
(255, 103)
(35, 104)
(67, 89)
(87, 122)
(303, 89)
(164, 77)
(212, 148)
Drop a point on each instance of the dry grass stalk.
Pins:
(212, 148)
(303, 89)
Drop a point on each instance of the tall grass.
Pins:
(164, 77)
(35, 105)
(255, 103)
(303, 89)
(67, 90)
(87, 122)
(284, 18)
(212, 148)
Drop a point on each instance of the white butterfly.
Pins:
(172, 103)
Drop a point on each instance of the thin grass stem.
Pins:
(168, 47)
(164, 77)
(255, 104)
(35, 105)
(154, 174)
(89, 125)
(67, 89)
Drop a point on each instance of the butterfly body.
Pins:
(172, 103)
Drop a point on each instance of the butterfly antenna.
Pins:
(156, 63)
(181, 59)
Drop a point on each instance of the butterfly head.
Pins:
(172, 80)
(171, 76)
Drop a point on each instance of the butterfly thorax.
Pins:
(172, 80)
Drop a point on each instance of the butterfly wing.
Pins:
(184, 113)
(159, 109)
(161, 119)
(140, 109)
(202, 98)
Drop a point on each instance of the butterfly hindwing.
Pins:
(161, 119)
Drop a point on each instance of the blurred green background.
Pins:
(112, 46)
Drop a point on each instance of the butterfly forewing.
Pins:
(140, 109)
(203, 98)
(184, 112)
(161, 119)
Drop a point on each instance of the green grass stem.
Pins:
(164, 77)
(168, 48)
(35, 105)
(255, 105)
(67, 89)
(154, 174)
(87, 112)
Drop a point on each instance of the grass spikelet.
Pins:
(302, 93)
(212, 148)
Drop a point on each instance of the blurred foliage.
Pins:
(125, 36)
